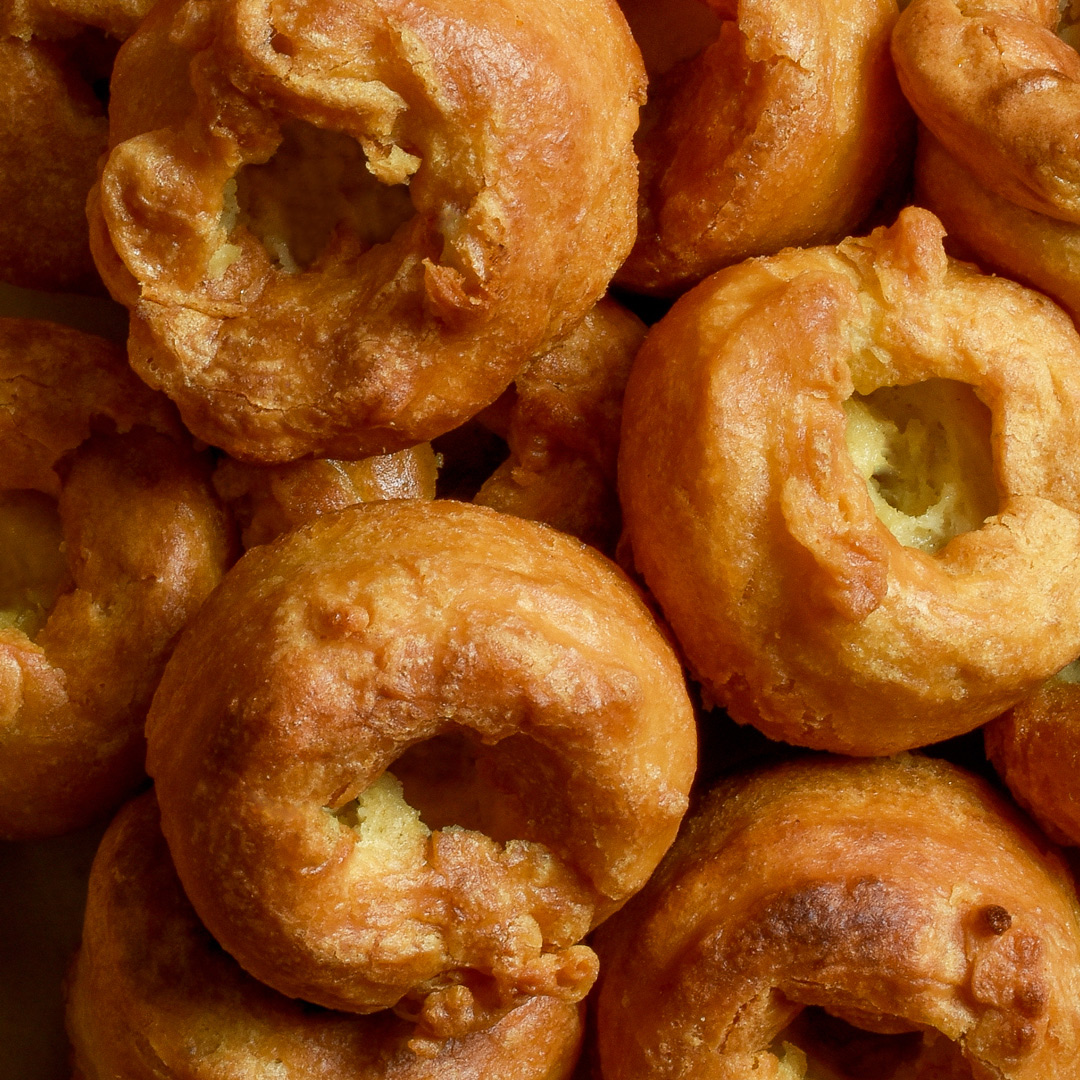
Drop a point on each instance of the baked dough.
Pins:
(1041, 251)
(110, 539)
(561, 421)
(1035, 748)
(342, 230)
(785, 129)
(784, 402)
(1001, 91)
(268, 500)
(410, 754)
(897, 897)
(151, 996)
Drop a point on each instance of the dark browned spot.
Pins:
(996, 919)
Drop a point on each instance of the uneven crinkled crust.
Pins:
(145, 542)
(1039, 250)
(151, 995)
(795, 605)
(784, 130)
(1001, 91)
(268, 500)
(360, 644)
(898, 894)
(45, 104)
(515, 143)
(55, 56)
(561, 422)
(1035, 748)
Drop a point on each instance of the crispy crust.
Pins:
(151, 996)
(59, 19)
(505, 658)
(46, 103)
(561, 421)
(784, 130)
(796, 606)
(1040, 251)
(268, 500)
(516, 148)
(1035, 748)
(145, 543)
(900, 895)
(1001, 91)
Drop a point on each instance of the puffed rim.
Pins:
(515, 144)
(899, 894)
(783, 131)
(1035, 748)
(1001, 91)
(561, 422)
(145, 541)
(1036, 249)
(329, 653)
(795, 605)
(149, 982)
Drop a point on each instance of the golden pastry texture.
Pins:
(110, 538)
(784, 130)
(1034, 248)
(410, 754)
(899, 900)
(151, 996)
(46, 103)
(1001, 91)
(55, 59)
(268, 500)
(344, 228)
(1035, 748)
(58, 19)
(849, 476)
(561, 421)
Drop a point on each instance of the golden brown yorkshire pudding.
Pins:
(151, 995)
(343, 230)
(785, 129)
(846, 919)
(1039, 250)
(849, 476)
(561, 422)
(268, 500)
(1001, 91)
(110, 537)
(59, 19)
(410, 754)
(1035, 748)
(52, 131)
(55, 59)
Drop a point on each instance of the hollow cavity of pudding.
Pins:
(33, 566)
(817, 1045)
(317, 187)
(455, 781)
(925, 453)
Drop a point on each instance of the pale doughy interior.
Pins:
(451, 781)
(389, 831)
(317, 182)
(925, 453)
(33, 567)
